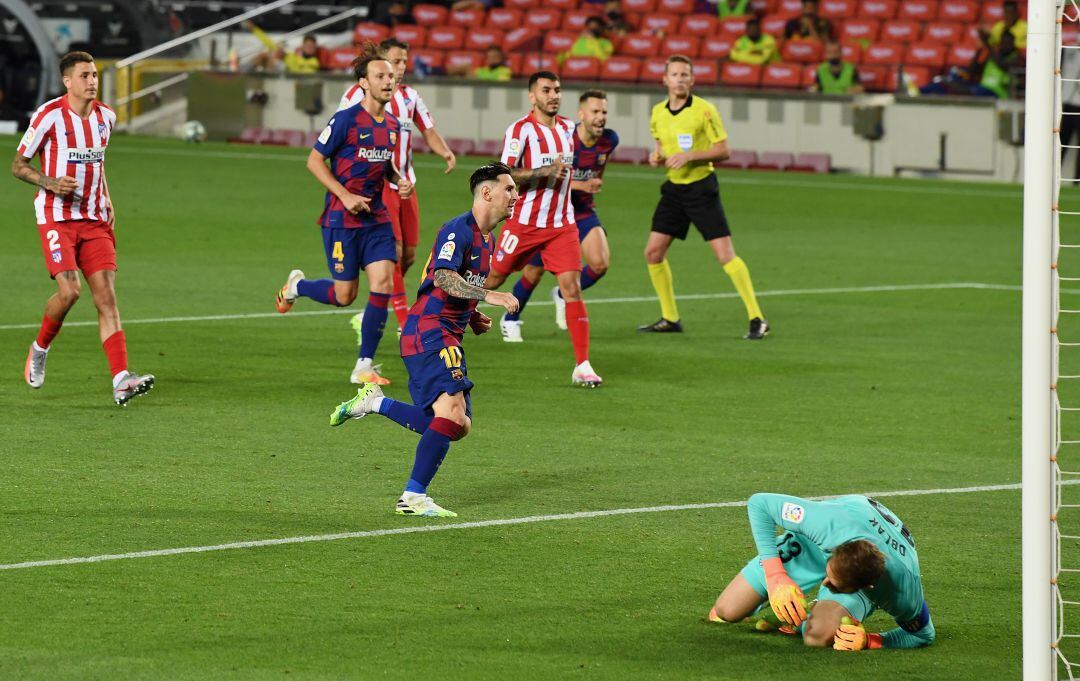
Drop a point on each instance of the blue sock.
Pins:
(430, 452)
(405, 415)
(523, 290)
(371, 329)
(319, 290)
(590, 277)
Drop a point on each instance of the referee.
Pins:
(689, 137)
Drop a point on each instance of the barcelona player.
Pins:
(356, 229)
(75, 217)
(859, 553)
(445, 305)
(593, 146)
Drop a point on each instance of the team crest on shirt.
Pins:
(457, 375)
(339, 267)
(393, 137)
(57, 256)
(601, 159)
(793, 513)
(101, 130)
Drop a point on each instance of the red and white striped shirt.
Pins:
(74, 147)
(412, 114)
(531, 144)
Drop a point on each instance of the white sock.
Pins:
(38, 348)
(409, 496)
(362, 363)
(375, 404)
(119, 377)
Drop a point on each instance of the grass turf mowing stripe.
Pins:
(593, 301)
(499, 522)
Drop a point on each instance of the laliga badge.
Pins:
(793, 513)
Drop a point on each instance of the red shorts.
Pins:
(88, 245)
(558, 247)
(404, 214)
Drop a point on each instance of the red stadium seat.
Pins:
(883, 54)
(773, 24)
(812, 163)
(620, 69)
(716, 47)
(435, 59)
(675, 6)
(760, 7)
(918, 10)
(446, 37)
(873, 77)
(851, 52)
(538, 62)
(580, 68)
(652, 70)
(524, 5)
(640, 45)
(741, 75)
(635, 155)
(660, 23)
(787, 76)
(565, 5)
(339, 58)
(639, 6)
(877, 9)
(558, 41)
(792, 7)
(706, 73)
(945, 32)
(919, 75)
(809, 75)
(516, 61)
(961, 55)
(898, 31)
(461, 146)
(993, 11)
(430, 15)
(1069, 33)
(521, 40)
(505, 18)
(733, 27)
(370, 33)
(688, 45)
(740, 158)
(863, 30)
(801, 51)
(489, 148)
(415, 36)
(467, 18)
(838, 9)
(700, 25)
(966, 11)
(575, 20)
(543, 19)
(774, 160)
(930, 55)
(483, 38)
(466, 60)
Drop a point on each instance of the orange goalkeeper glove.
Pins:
(852, 636)
(786, 598)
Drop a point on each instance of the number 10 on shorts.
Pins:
(451, 356)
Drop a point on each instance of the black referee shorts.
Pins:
(697, 202)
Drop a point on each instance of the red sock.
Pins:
(49, 328)
(577, 322)
(116, 352)
(399, 300)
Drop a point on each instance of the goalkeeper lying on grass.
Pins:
(856, 549)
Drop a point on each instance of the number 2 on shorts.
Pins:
(54, 239)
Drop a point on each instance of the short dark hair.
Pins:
(368, 53)
(69, 60)
(756, 20)
(542, 75)
(858, 564)
(595, 19)
(311, 37)
(487, 173)
(591, 94)
(679, 59)
(393, 42)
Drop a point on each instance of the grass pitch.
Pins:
(882, 374)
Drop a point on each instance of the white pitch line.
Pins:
(591, 301)
(470, 525)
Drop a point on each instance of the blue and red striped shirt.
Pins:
(360, 148)
(437, 319)
(589, 162)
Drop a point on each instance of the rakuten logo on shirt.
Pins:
(91, 155)
(373, 155)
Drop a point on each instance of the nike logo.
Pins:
(364, 137)
(476, 257)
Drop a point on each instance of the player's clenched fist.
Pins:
(786, 598)
(405, 188)
(852, 636)
(479, 322)
(506, 300)
(656, 159)
(61, 185)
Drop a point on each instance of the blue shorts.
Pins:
(435, 372)
(584, 226)
(350, 250)
(805, 564)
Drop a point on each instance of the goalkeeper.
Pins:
(859, 553)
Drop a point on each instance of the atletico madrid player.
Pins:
(75, 217)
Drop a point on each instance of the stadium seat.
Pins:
(877, 9)
(250, 136)
(665, 23)
(838, 9)
(961, 55)
(883, 54)
(538, 62)
(716, 47)
(639, 6)
(781, 75)
(918, 10)
(543, 19)
(773, 24)
(760, 7)
(620, 69)
(792, 7)
(522, 40)
(523, 5)
(809, 75)
(515, 60)
(993, 11)
(851, 52)
(700, 25)
(489, 148)
(467, 18)
(461, 146)
(944, 32)
(920, 75)
(575, 20)
(466, 60)
(652, 70)
(900, 31)
(640, 45)
(740, 75)
(930, 55)
(434, 59)
(446, 37)
(1070, 34)
(415, 36)
(740, 158)
(812, 163)
(862, 30)
(734, 27)
(564, 5)
(288, 138)
(419, 144)
(559, 41)
(368, 32)
(966, 11)
(706, 73)
(339, 58)
(675, 6)
(580, 68)
(483, 38)
(504, 18)
(677, 44)
(873, 78)
(774, 160)
(635, 155)
(801, 51)
(430, 15)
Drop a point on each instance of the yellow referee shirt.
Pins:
(695, 127)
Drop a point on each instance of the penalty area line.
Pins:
(501, 522)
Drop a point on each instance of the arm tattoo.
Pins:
(451, 282)
(21, 168)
